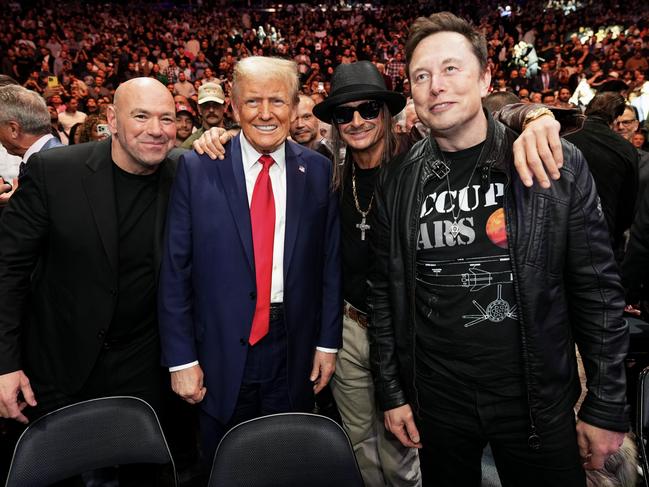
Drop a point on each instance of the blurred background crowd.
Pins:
(75, 54)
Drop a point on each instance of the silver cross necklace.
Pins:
(362, 226)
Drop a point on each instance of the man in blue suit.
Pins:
(250, 289)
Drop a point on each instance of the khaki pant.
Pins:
(381, 457)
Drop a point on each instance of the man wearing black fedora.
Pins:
(360, 109)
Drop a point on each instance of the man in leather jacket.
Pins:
(482, 286)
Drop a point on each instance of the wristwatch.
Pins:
(535, 114)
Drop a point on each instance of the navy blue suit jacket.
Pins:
(207, 289)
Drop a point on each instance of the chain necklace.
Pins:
(362, 226)
(455, 227)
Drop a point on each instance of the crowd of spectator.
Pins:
(76, 54)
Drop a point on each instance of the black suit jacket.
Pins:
(63, 217)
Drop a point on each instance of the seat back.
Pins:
(642, 422)
(86, 436)
(286, 449)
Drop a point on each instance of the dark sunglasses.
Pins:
(368, 111)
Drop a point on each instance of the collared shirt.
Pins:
(37, 146)
(252, 168)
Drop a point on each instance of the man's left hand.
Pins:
(596, 444)
(324, 366)
(538, 152)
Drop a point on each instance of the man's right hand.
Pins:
(212, 142)
(401, 422)
(188, 384)
(11, 385)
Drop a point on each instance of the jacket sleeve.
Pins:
(23, 229)
(175, 295)
(383, 353)
(596, 301)
(513, 116)
(332, 297)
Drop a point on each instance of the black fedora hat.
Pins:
(358, 81)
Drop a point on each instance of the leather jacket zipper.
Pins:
(533, 440)
(413, 275)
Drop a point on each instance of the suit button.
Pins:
(243, 341)
(101, 334)
(253, 295)
(113, 292)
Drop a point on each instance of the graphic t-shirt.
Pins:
(467, 318)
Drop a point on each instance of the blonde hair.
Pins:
(260, 68)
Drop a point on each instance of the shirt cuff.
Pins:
(326, 350)
(176, 368)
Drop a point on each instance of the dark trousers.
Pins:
(456, 423)
(264, 388)
(129, 369)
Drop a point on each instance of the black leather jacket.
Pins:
(565, 280)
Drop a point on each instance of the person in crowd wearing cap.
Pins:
(482, 283)
(211, 105)
(184, 123)
(250, 298)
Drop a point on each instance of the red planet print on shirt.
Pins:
(496, 230)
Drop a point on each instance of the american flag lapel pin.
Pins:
(301, 168)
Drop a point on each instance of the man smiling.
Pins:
(250, 299)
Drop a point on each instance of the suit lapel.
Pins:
(100, 191)
(167, 172)
(234, 187)
(296, 170)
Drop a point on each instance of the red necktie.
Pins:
(262, 218)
